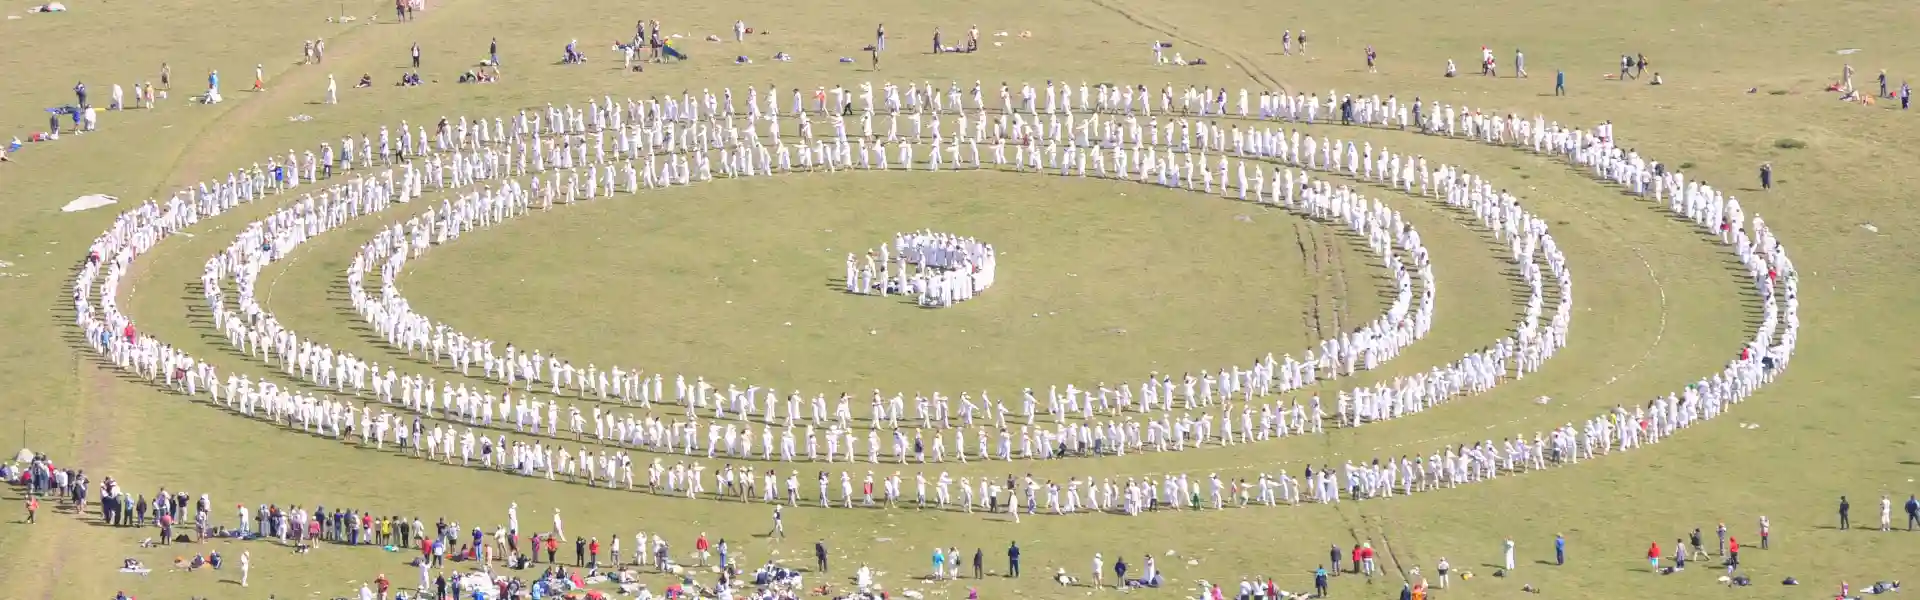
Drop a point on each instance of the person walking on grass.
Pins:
(1843, 513)
(779, 527)
(1559, 82)
(1559, 550)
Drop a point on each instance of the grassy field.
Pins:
(648, 281)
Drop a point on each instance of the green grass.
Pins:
(644, 280)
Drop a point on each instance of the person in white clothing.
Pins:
(1098, 570)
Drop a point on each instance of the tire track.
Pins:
(1309, 259)
(1336, 270)
(1246, 65)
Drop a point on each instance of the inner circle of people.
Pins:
(947, 269)
(673, 141)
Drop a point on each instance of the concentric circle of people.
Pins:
(939, 268)
(471, 409)
(678, 147)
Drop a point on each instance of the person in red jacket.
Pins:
(593, 553)
(1653, 556)
(1366, 559)
(700, 548)
(553, 547)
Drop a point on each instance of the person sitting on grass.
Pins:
(366, 81)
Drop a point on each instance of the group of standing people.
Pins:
(940, 269)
